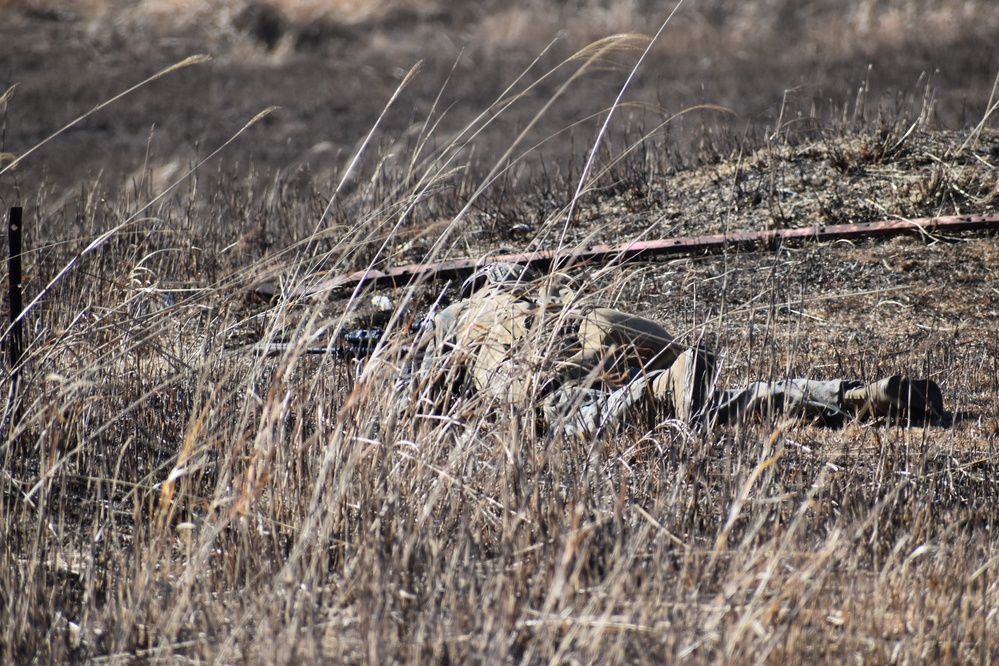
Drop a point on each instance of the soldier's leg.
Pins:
(589, 412)
(832, 401)
(796, 398)
(895, 397)
(683, 391)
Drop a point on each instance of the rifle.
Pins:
(353, 344)
(356, 343)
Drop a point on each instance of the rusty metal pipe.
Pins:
(770, 238)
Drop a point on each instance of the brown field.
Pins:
(167, 496)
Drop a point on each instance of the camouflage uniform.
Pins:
(589, 369)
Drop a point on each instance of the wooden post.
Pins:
(14, 341)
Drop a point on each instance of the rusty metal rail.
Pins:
(771, 238)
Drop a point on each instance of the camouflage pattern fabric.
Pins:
(523, 342)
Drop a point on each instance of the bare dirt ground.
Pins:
(168, 497)
(331, 72)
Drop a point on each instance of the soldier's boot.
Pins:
(684, 389)
(895, 397)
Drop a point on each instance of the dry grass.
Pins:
(167, 497)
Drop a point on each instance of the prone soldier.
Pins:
(523, 342)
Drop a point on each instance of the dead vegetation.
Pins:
(167, 497)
